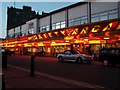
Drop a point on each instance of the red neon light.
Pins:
(90, 35)
(117, 35)
(107, 34)
(23, 38)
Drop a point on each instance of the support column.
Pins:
(89, 12)
(119, 9)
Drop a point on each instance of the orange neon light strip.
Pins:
(68, 37)
(96, 41)
(55, 44)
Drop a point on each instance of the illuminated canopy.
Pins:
(93, 30)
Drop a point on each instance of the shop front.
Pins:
(83, 37)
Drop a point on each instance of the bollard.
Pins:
(32, 71)
(3, 82)
(4, 60)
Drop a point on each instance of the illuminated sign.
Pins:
(89, 30)
(118, 28)
(63, 32)
(34, 37)
(96, 28)
(69, 37)
(50, 34)
(75, 32)
(56, 33)
(91, 35)
(96, 41)
(39, 36)
(107, 34)
(110, 26)
(45, 35)
(84, 30)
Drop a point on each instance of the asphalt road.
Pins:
(94, 74)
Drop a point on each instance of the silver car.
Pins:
(76, 56)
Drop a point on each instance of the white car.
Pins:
(76, 56)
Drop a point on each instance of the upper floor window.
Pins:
(78, 21)
(84, 20)
(23, 33)
(104, 16)
(31, 31)
(71, 22)
(113, 14)
(95, 18)
(58, 25)
(44, 28)
(11, 36)
(63, 24)
(31, 28)
(17, 34)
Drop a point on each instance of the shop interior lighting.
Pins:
(67, 41)
(68, 37)
(58, 44)
(106, 38)
(79, 41)
(40, 44)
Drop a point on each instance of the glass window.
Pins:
(23, 33)
(31, 31)
(71, 23)
(43, 28)
(113, 14)
(11, 35)
(84, 20)
(77, 22)
(104, 16)
(17, 34)
(47, 28)
(62, 24)
(58, 25)
(95, 18)
(53, 26)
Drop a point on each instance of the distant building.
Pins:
(17, 16)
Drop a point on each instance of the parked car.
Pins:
(76, 56)
(109, 56)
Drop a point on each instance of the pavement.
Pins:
(20, 79)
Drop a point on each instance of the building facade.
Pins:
(71, 27)
(16, 17)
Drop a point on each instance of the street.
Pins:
(94, 74)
